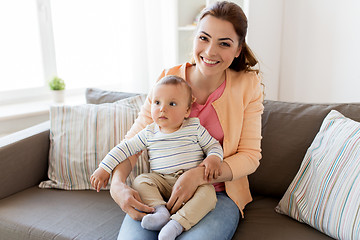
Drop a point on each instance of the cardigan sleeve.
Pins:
(246, 158)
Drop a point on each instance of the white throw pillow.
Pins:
(81, 136)
(325, 192)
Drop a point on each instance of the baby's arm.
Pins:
(99, 179)
(212, 165)
(214, 153)
(118, 154)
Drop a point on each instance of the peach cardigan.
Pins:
(239, 110)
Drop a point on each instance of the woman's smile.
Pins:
(208, 61)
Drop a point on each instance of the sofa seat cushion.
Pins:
(262, 222)
(57, 214)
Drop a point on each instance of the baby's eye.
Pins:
(156, 102)
(173, 104)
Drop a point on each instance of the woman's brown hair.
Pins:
(232, 13)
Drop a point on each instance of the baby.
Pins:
(175, 143)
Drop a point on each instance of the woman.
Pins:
(229, 105)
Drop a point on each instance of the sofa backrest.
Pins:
(24, 159)
(99, 96)
(288, 129)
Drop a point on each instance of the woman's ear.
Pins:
(238, 51)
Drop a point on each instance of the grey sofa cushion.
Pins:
(57, 214)
(262, 222)
(288, 129)
(98, 96)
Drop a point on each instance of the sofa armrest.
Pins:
(24, 159)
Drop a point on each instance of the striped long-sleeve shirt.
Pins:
(168, 152)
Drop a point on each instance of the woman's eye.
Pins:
(172, 104)
(224, 44)
(203, 38)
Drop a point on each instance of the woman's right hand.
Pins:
(127, 198)
(129, 201)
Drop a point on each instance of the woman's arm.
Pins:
(189, 181)
(127, 198)
(245, 155)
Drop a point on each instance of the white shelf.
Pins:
(187, 28)
(187, 10)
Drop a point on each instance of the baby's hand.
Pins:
(99, 179)
(212, 167)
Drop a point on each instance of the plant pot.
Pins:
(58, 96)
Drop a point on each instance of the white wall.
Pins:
(316, 46)
(264, 38)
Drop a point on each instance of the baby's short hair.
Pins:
(176, 80)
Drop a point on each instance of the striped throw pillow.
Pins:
(325, 193)
(81, 136)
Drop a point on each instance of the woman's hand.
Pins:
(189, 181)
(184, 188)
(127, 198)
(129, 201)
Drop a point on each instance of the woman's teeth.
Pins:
(209, 61)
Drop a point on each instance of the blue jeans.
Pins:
(220, 223)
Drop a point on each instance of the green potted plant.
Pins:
(57, 85)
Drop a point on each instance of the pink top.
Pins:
(209, 119)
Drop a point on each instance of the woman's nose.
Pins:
(210, 50)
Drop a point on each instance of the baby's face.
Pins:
(169, 106)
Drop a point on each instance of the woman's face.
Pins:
(216, 44)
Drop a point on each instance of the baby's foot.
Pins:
(171, 230)
(156, 220)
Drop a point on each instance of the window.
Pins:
(20, 58)
(89, 47)
(88, 43)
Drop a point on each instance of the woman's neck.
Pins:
(203, 86)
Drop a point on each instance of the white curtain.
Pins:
(20, 50)
(122, 45)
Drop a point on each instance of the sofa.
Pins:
(30, 212)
